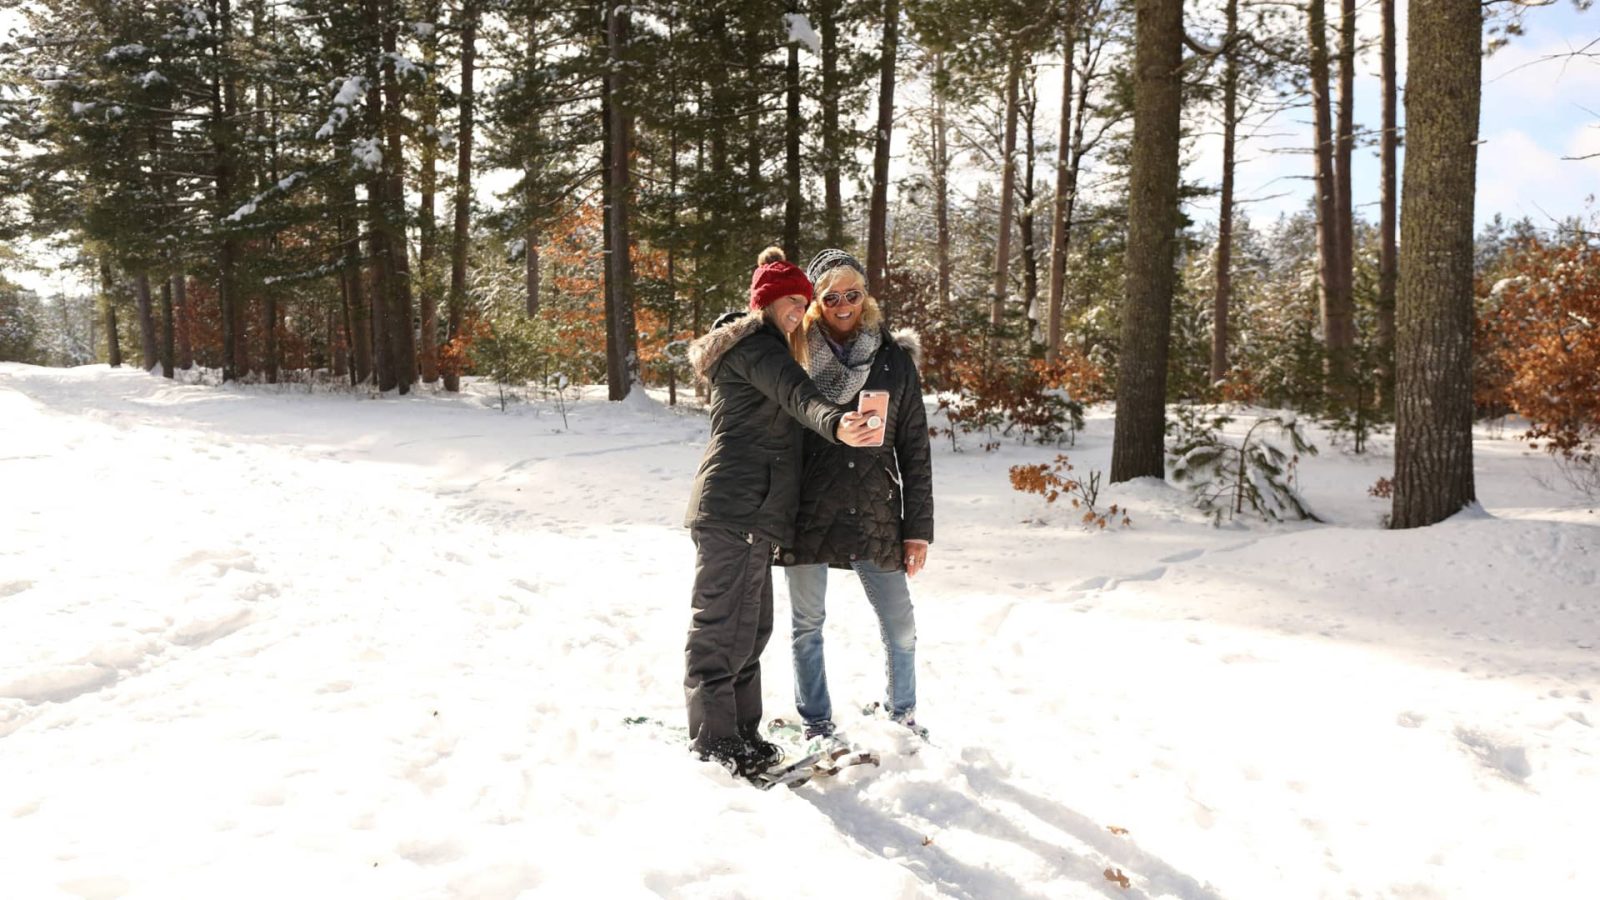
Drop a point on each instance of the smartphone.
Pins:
(876, 404)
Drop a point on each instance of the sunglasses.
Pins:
(833, 298)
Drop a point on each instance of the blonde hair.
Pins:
(871, 314)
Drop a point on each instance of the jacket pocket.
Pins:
(772, 491)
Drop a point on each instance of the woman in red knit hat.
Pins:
(744, 503)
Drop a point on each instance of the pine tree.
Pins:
(1433, 348)
(1152, 236)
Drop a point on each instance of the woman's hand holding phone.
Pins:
(875, 406)
(855, 431)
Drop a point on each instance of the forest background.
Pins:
(397, 193)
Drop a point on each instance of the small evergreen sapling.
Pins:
(1224, 476)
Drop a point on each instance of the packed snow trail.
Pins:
(261, 642)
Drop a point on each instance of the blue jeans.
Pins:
(890, 597)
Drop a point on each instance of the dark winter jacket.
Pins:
(749, 478)
(862, 502)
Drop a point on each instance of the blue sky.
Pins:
(1534, 113)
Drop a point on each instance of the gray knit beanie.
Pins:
(831, 259)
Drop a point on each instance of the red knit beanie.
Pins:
(776, 277)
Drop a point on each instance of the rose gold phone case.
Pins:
(874, 403)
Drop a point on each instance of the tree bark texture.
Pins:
(1138, 440)
(622, 345)
(833, 208)
(1223, 289)
(400, 312)
(1388, 271)
(180, 297)
(878, 212)
(532, 237)
(1028, 110)
(379, 232)
(427, 212)
(1008, 178)
(1335, 315)
(1433, 392)
(941, 183)
(168, 330)
(1344, 150)
(224, 107)
(108, 308)
(463, 199)
(149, 354)
(792, 177)
(1060, 238)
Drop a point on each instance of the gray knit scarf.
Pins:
(841, 381)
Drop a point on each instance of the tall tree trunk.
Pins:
(379, 233)
(833, 209)
(622, 343)
(1060, 236)
(224, 106)
(427, 215)
(531, 236)
(269, 336)
(608, 191)
(1137, 447)
(377, 286)
(1223, 293)
(1091, 62)
(1341, 167)
(791, 208)
(1388, 272)
(149, 355)
(348, 304)
(673, 98)
(399, 313)
(180, 297)
(941, 182)
(338, 354)
(1329, 256)
(357, 313)
(265, 122)
(1030, 259)
(756, 140)
(1433, 391)
(463, 206)
(1008, 179)
(168, 328)
(878, 212)
(108, 307)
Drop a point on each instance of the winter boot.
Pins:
(763, 754)
(823, 737)
(910, 722)
(733, 754)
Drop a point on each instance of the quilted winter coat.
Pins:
(860, 503)
(749, 478)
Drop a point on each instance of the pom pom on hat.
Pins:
(776, 277)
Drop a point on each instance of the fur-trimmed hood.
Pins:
(708, 349)
(910, 342)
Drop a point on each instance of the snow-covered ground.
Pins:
(260, 643)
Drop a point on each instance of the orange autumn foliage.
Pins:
(1538, 343)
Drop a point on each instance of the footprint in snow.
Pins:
(58, 684)
(1507, 760)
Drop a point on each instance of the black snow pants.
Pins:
(731, 623)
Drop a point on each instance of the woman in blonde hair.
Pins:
(743, 505)
(868, 509)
